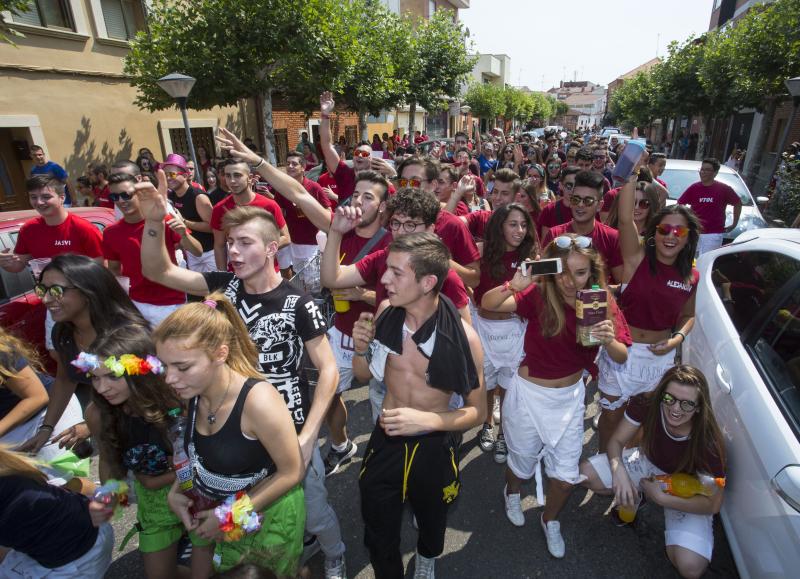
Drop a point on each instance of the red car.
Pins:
(21, 312)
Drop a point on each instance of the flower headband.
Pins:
(131, 364)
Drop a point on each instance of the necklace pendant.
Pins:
(212, 418)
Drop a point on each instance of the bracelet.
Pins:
(681, 334)
(259, 164)
(362, 354)
(507, 286)
(236, 517)
(47, 426)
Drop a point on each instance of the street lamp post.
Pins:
(465, 110)
(178, 86)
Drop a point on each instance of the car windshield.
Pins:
(678, 180)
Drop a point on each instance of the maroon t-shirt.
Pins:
(608, 199)
(101, 197)
(301, 230)
(510, 263)
(553, 215)
(455, 235)
(352, 244)
(605, 240)
(655, 302)
(562, 355)
(461, 209)
(476, 222)
(709, 204)
(345, 177)
(328, 180)
(372, 267)
(666, 451)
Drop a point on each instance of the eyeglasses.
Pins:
(114, 197)
(408, 226)
(686, 405)
(643, 203)
(565, 241)
(360, 153)
(679, 230)
(173, 174)
(56, 291)
(413, 183)
(576, 200)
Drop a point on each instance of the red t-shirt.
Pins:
(605, 240)
(655, 302)
(101, 197)
(122, 242)
(709, 204)
(372, 267)
(345, 177)
(352, 244)
(74, 235)
(455, 235)
(510, 263)
(553, 215)
(666, 451)
(561, 355)
(461, 209)
(301, 230)
(327, 180)
(608, 199)
(221, 208)
(476, 222)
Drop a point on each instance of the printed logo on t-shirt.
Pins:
(706, 200)
(62, 243)
(673, 283)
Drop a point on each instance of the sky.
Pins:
(595, 40)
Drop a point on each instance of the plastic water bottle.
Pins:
(685, 485)
(182, 464)
(627, 161)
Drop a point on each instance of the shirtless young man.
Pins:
(417, 346)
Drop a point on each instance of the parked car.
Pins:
(608, 131)
(678, 175)
(21, 311)
(746, 340)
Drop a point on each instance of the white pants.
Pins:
(342, 346)
(91, 565)
(639, 374)
(203, 263)
(155, 314)
(503, 348)
(544, 424)
(687, 530)
(709, 242)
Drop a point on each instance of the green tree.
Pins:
(436, 64)
(632, 103)
(486, 100)
(15, 7)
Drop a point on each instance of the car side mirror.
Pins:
(787, 484)
(762, 201)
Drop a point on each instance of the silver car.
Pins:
(678, 175)
(746, 340)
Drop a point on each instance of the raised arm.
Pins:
(629, 245)
(326, 106)
(333, 274)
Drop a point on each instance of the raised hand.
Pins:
(346, 219)
(363, 331)
(152, 201)
(326, 103)
(238, 150)
(466, 187)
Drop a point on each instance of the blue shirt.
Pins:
(485, 164)
(56, 171)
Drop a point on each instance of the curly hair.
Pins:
(494, 242)
(414, 203)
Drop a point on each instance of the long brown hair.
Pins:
(208, 325)
(552, 319)
(494, 242)
(15, 463)
(685, 260)
(11, 349)
(150, 398)
(650, 193)
(705, 435)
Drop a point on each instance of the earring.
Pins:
(651, 242)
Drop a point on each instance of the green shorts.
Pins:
(158, 526)
(277, 545)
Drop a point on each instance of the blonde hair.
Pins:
(15, 463)
(268, 229)
(209, 324)
(11, 349)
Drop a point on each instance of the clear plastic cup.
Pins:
(125, 282)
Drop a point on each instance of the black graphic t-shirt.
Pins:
(280, 322)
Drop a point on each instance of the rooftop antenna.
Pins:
(658, 42)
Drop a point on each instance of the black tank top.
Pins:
(228, 453)
(187, 205)
(145, 449)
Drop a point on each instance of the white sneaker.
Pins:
(335, 568)
(555, 542)
(424, 567)
(496, 410)
(513, 508)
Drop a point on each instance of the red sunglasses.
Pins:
(665, 229)
(362, 154)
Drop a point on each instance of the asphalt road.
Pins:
(480, 541)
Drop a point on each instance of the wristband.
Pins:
(681, 334)
(507, 286)
(361, 354)
(47, 426)
(236, 517)
(259, 164)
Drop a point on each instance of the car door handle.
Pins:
(723, 380)
(787, 484)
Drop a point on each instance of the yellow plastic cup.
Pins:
(341, 306)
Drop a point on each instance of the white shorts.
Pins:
(342, 346)
(639, 374)
(544, 424)
(49, 322)
(709, 242)
(155, 314)
(503, 348)
(91, 565)
(204, 263)
(687, 530)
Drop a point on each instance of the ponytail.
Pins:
(15, 463)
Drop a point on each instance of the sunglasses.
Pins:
(565, 241)
(686, 405)
(362, 154)
(643, 203)
(56, 291)
(173, 174)
(114, 197)
(576, 200)
(552, 166)
(413, 183)
(408, 226)
(679, 230)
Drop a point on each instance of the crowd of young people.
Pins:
(444, 319)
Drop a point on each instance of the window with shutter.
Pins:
(114, 18)
(48, 14)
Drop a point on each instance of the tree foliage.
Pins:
(15, 7)
(490, 101)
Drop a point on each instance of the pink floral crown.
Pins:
(130, 364)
